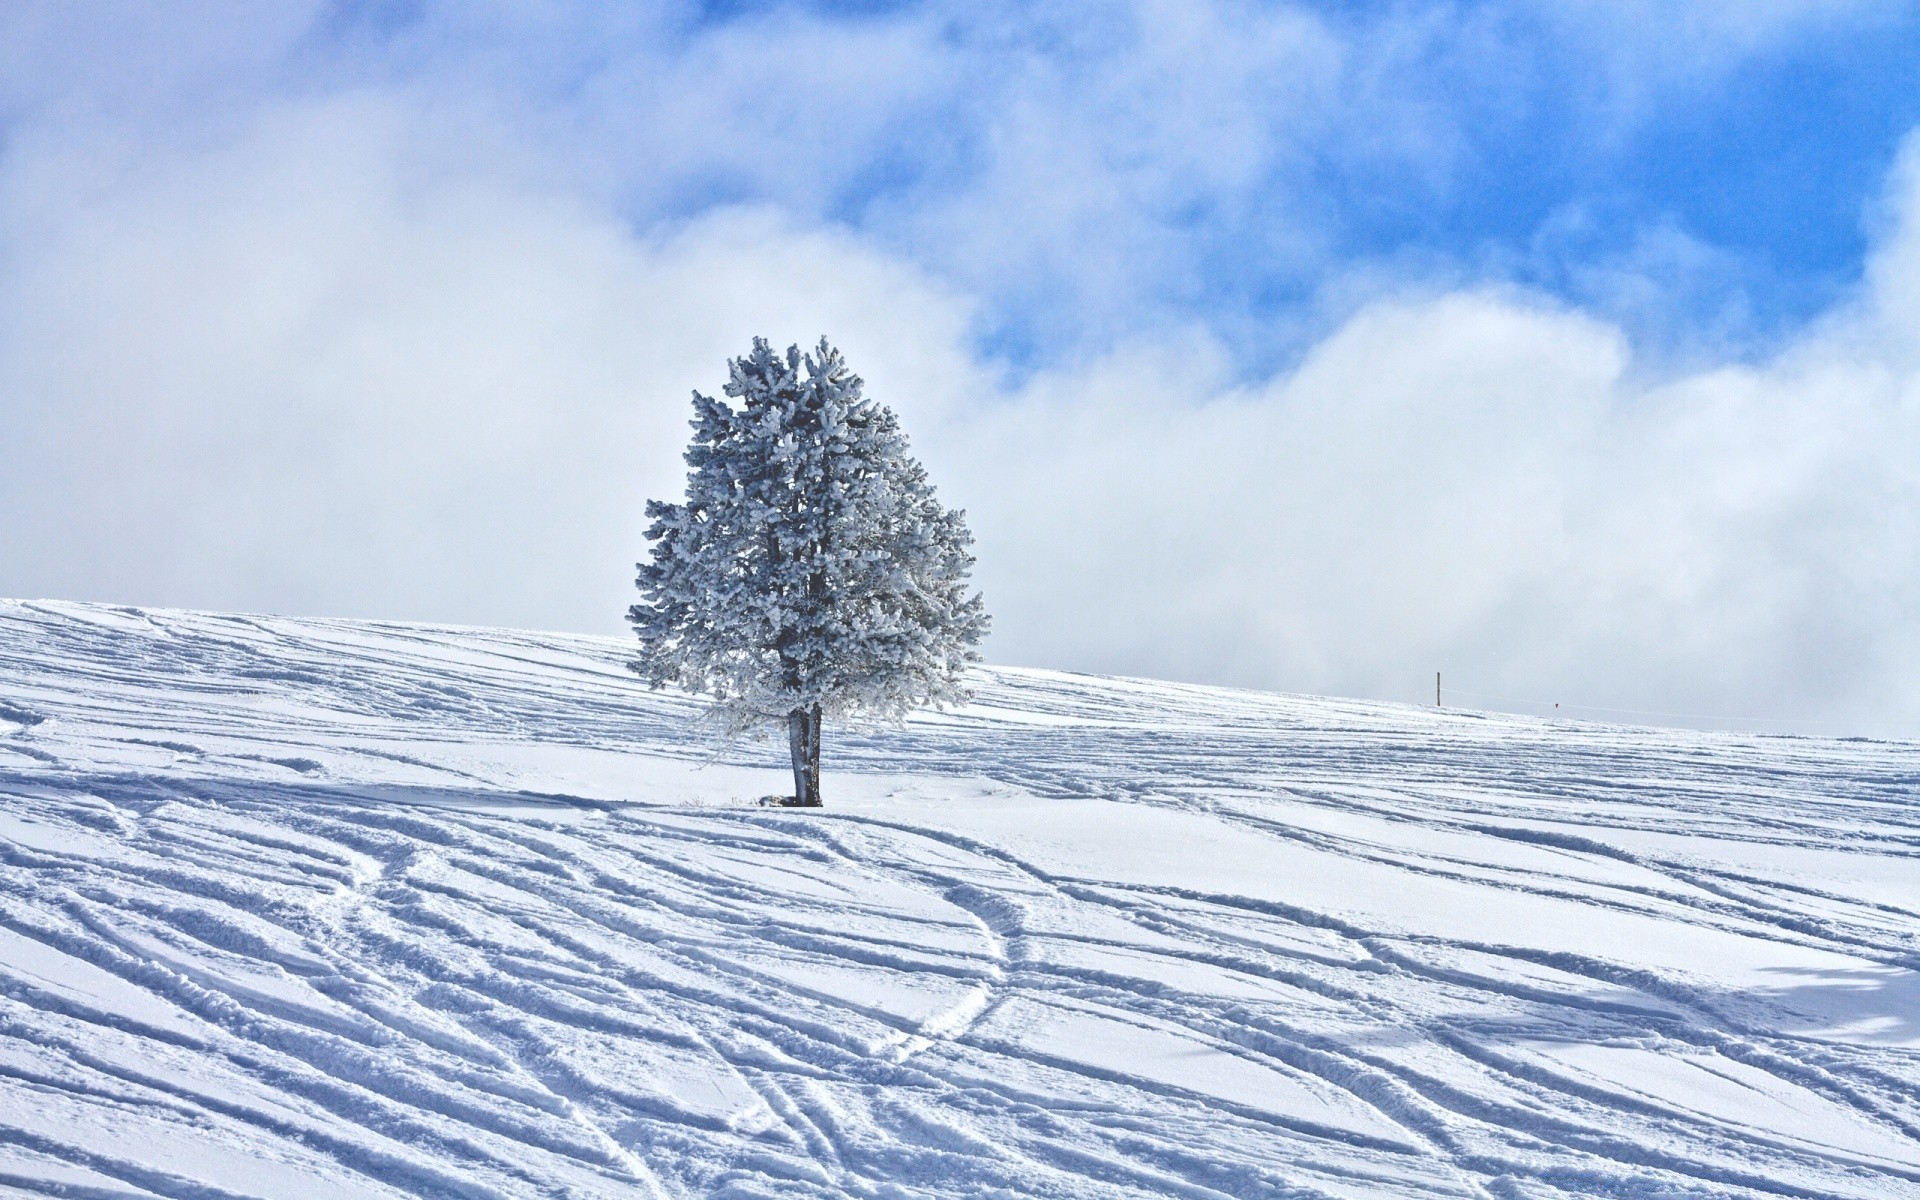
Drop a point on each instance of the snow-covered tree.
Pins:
(810, 572)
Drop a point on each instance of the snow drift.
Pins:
(298, 908)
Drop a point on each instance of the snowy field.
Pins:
(301, 908)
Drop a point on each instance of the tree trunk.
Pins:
(803, 739)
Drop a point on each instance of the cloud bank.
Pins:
(344, 312)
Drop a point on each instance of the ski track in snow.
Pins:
(347, 909)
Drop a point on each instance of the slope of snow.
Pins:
(303, 908)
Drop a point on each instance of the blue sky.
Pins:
(1729, 163)
(1563, 344)
(1261, 168)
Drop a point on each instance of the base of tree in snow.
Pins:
(296, 908)
(787, 802)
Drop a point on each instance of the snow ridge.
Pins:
(332, 908)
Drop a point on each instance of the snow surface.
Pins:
(304, 908)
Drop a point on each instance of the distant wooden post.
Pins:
(1436, 689)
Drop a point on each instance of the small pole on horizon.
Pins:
(1436, 689)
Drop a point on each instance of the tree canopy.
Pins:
(811, 571)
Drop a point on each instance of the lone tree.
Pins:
(811, 572)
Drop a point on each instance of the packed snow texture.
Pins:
(304, 908)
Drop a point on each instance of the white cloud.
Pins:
(1476, 482)
(296, 374)
(1318, 532)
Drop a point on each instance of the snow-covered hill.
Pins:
(301, 908)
